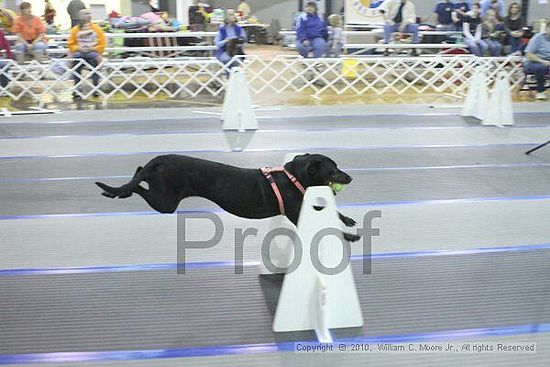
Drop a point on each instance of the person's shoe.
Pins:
(77, 97)
(541, 96)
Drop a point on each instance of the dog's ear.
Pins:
(313, 167)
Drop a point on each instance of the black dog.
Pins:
(234, 47)
(243, 192)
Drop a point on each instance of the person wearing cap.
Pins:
(311, 32)
(87, 42)
(537, 59)
(31, 33)
(73, 8)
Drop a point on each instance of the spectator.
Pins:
(491, 32)
(538, 59)
(6, 19)
(472, 23)
(87, 42)
(4, 64)
(443, 12)
(31, 31)
(336, 36)
(244, 9)
(514, 24)
(399, 16)
(230, 39)
(311, 32)
(49, 12)
(497, 5)
(461, 9)
(73, 8)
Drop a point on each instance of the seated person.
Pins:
(472, 23)
(537, 60)
(230, 39)
(492, 33)
(4, 64)
(311, 32)
(461, 9)
(514, 24)
(31, 31)
(6, 19)
(336, 36)
(86, 41)
(244, 9)
(399, 16)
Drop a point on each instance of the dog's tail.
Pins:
(124, 191)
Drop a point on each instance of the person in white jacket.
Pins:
(399, 16)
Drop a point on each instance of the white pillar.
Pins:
(183, 10)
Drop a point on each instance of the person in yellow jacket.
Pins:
(87, 42)
(7, 17)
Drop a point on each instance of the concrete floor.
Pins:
(462, 255)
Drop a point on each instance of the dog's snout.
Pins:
(342, 177)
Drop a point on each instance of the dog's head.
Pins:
(317, 170)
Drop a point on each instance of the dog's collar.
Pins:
(267, 172)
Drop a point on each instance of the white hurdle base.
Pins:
(499, 112)
(238, 112)
(311, 299)
(477, 99)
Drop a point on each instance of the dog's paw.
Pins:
(348, 222)
(108, 195)
(351, 237)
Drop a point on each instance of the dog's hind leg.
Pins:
(161, 202)
(124, 191)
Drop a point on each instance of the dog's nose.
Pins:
(348, 178)
(344, 178)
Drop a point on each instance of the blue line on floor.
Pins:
(252, 349)
(218, 210)
(230, 264)
(262, 131)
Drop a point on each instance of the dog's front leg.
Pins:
(348, 222)
(293, 216)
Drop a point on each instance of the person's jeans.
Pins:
(515, 44)
(477, 48)
(334, 51)
(410, 28)
(495, 48)
(91, 59)
(539, 70)
(317, 45)
(23, 49)
(4, 78)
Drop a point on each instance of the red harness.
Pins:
(267, 171)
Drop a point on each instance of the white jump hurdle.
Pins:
(477, 99)
(313, 298)
(499, 112)
(238, 112)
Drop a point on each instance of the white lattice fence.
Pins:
(194, 77)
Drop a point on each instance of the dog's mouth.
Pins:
(337, 187)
